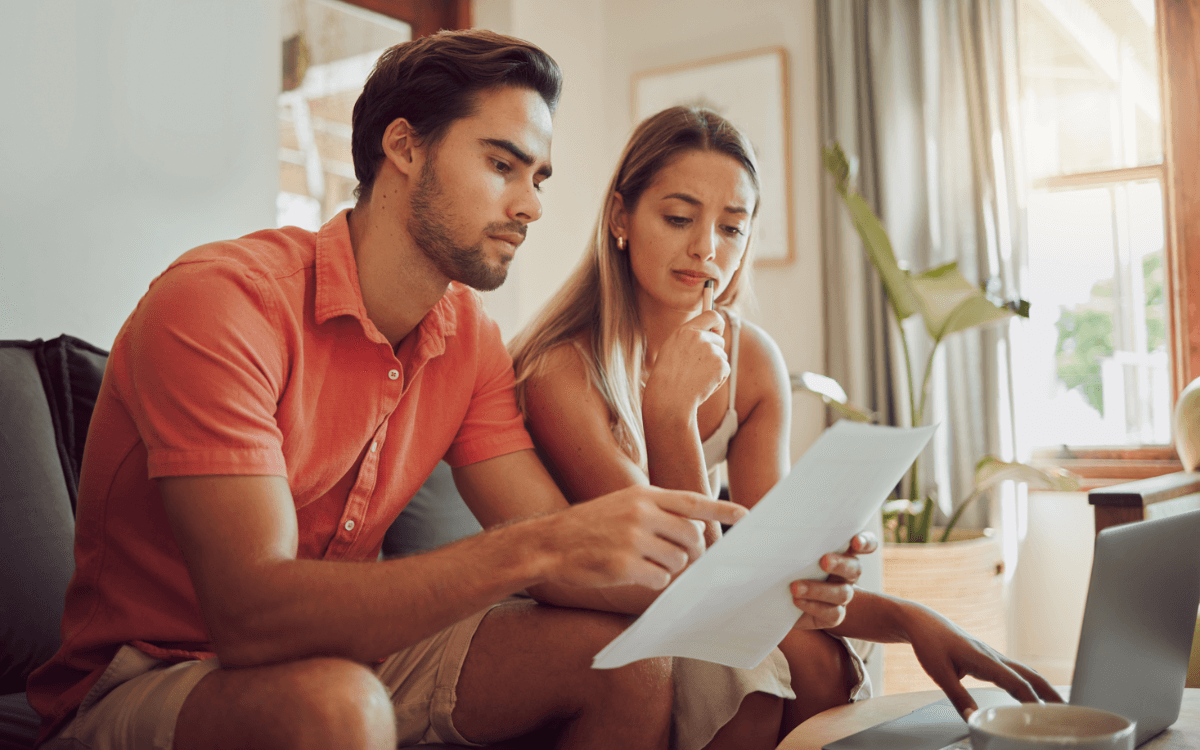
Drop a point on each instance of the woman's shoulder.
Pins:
(560, 387)
(561, 363)
(761, 367)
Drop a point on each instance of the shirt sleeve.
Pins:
(493, 425)
(206, 365)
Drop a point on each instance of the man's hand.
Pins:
(947, 654)
(639, 535)
(823, 603)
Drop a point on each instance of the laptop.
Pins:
(1133, 649)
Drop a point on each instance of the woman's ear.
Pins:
(618, 220)
(401, 147)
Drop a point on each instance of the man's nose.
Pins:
(527, 206)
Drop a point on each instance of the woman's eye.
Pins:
(678, 221)
(733, 231)
(501, 166)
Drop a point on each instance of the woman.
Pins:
(678, 390)
(625, 378)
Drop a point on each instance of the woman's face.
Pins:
(691, 224)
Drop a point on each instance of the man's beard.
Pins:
(465, 265)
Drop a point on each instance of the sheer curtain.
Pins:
(923, 94)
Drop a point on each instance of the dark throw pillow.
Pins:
(47, 392)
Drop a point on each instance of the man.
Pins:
(270, 407)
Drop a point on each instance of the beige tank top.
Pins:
(716, 447)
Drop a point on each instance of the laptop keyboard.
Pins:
(936, 726)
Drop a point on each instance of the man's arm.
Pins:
(517, 485)
(239, 537)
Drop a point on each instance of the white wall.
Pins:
(1049, 587)
(132, 131)
(582, 153)
(600, 44)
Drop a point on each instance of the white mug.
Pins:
(1047, 726)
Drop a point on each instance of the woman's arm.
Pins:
(759, 454)
(569, 421)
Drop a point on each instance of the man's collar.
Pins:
(338, 291)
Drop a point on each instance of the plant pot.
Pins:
(962, 579)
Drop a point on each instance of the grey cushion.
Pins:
(37, 528)
(435, 516)
(18, 723)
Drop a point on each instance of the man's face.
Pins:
(478, 189)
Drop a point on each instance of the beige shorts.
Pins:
(137, 700)
(707, 695)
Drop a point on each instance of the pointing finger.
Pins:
(695, 505)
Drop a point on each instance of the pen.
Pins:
(708, 294)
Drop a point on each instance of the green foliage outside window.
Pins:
(1085, 334)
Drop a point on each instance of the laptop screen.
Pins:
(1139, 621)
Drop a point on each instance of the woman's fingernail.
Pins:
(799, 589)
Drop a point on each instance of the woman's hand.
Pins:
(823, 603)
(689, 368)
(947, 653)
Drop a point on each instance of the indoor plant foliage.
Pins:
(947, 303)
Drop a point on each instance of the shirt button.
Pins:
(374, 445)
(350, 526)
(393, 374)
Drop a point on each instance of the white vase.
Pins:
(1187, 426)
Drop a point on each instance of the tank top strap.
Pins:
(735, 326)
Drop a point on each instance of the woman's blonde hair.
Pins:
(598, 299)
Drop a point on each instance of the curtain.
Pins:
(923, 95)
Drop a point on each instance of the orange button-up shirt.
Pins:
(256, 356)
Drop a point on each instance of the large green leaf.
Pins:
(950, 303)
(896, 281)
(832, 393)
(991, 471)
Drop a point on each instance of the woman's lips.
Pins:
(691, 278)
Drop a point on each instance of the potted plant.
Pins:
(961, 576)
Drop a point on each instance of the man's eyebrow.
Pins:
(697, 202)
(517, 152)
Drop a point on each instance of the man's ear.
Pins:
(402, 147)
(618, 218)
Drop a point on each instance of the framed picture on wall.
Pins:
(751, 90)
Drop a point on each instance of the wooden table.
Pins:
(843, 721)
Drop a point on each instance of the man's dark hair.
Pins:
(433, 81)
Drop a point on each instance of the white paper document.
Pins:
(733, 605)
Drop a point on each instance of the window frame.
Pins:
(1178, 23)
(424, 16)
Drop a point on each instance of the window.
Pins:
(1176, 29)
(329, 48)
(1094, 367)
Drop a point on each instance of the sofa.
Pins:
(47, 393)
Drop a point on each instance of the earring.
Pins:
(621, 243)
